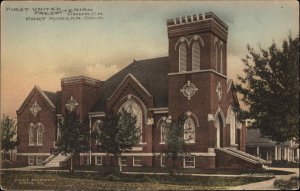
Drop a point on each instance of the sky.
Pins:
(41, 52)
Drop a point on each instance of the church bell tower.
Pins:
(198, 72)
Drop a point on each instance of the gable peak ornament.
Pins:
(71, 104)
(189, 89)
(35, 109)
(219, 91)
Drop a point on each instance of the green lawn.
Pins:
(94, 181)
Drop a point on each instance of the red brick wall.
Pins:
(46, 116)
(86, 94)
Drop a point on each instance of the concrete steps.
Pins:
(57, 160)
(247, 155)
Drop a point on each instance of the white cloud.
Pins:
(101, 72)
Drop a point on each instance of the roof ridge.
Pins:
(134, 61)
(152, 58)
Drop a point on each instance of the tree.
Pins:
(175, 140)
(270, 89)
(8, 131)
(118, 134)
(74, 136)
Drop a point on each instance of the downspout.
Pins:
(90, 139)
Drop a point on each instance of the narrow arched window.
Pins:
(217, 64)
(163, 131)
(196, 56)
(189, 130)
(182, 58)
(39, 134)
(134, 109)
(31, 134)
(221, 60)
(96, 129)
(232, 125)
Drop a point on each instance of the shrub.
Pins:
(112, 177)
(293, 183)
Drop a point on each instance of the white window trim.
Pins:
(193, 141)
(133, 161)
(161, 161)
(87, 160)
(161, 135)
(31, 131)
(184, 166)
(125, 161)
(37, 161)
(29, 161)
(96, 160)
(37, 137)
(142, 113)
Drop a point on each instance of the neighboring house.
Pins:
(191, 81)
(269, 150)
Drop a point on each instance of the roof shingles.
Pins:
(151, 73)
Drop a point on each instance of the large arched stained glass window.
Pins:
(189, 130)
(182, 58)
(132, 107)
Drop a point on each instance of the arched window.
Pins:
(196, 56)
(31, 134)
(182, 58)
(39, 134)
(163, 131)
(96, 129)
(134, 109)
(221, 60)
(189, 130)
(232, 121)
(217, 57)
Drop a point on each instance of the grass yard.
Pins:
(94, 181)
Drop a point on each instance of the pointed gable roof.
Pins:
(152, 74)
(44, 95)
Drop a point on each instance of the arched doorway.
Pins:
(220, 131)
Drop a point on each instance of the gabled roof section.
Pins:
(45, 95)
(152, 74)
(230, 87)
(136, 81)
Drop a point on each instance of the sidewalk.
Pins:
(43, 168)
(268, 185)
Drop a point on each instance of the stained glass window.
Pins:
(189, 130)
(134, 109)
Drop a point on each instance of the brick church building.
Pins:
(191, 80)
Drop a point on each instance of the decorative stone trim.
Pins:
(35, 109)
(34, 154)
(219, 91)
(71, 104)
(189, 89)
(195, 72)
